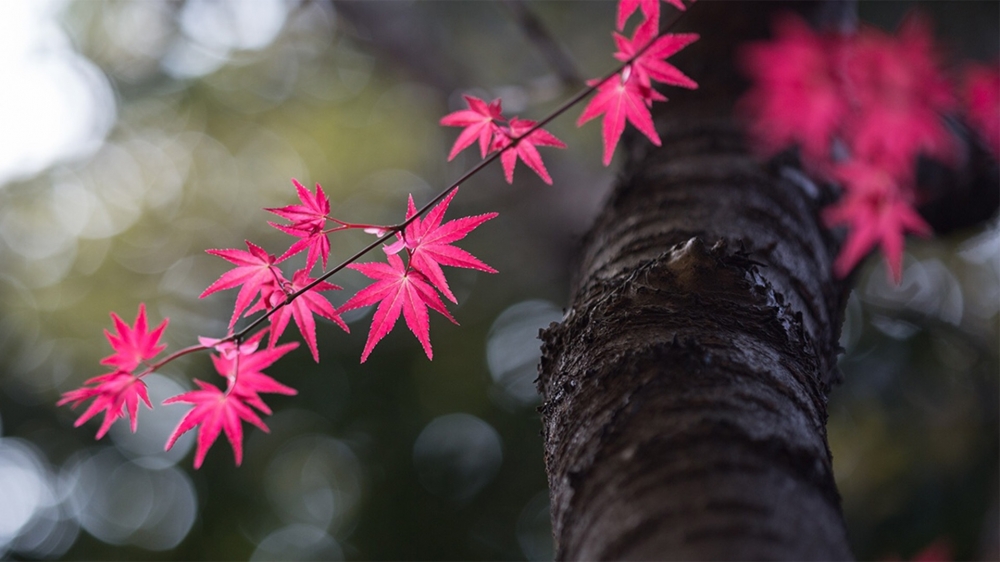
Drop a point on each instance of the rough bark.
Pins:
(685, 391)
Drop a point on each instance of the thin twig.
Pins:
(169, 358)
(539, 35)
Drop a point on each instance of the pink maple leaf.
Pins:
(308, 221)
(133, 344)
(876, 211)
(215, 411)
(311, 214)
(397, 289)
(115, 393)
(525, 147)
(255, 270)
(481, 121)
(629, 94)
(650, 9)
(301, 309)
(619, 98)
(901, 95)
(430, 243)
(797, 95)
(650, 64)
(244, 370)
(981, 97)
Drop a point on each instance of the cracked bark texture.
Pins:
(685, 391)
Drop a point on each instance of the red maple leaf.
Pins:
(797, 94)
(301, 309)
(481, 121)
(876, 210)
(901, 94)
(397, 289)
(115, 393)
(650, 9)
(618, 98)
(430, 243)
(650, 64)
(244, 369)
(215, 411)
(982, 103)
(133, 344)
(308, 221)
(255, 270)
(525, 147)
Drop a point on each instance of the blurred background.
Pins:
(136, 134)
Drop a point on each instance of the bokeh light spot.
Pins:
(457, 455)
(513, 350)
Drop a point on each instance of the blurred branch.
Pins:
(400, 32)
(539, 35)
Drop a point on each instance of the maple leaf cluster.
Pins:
(628, 95)
(406, 289)
(410, 289)
(517, 138)
(625, 96)
(409, 283)
(218, 411)
(862, 107)
(117, 394)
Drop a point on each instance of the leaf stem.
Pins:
(175, 355)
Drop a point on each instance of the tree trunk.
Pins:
(685, 391)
